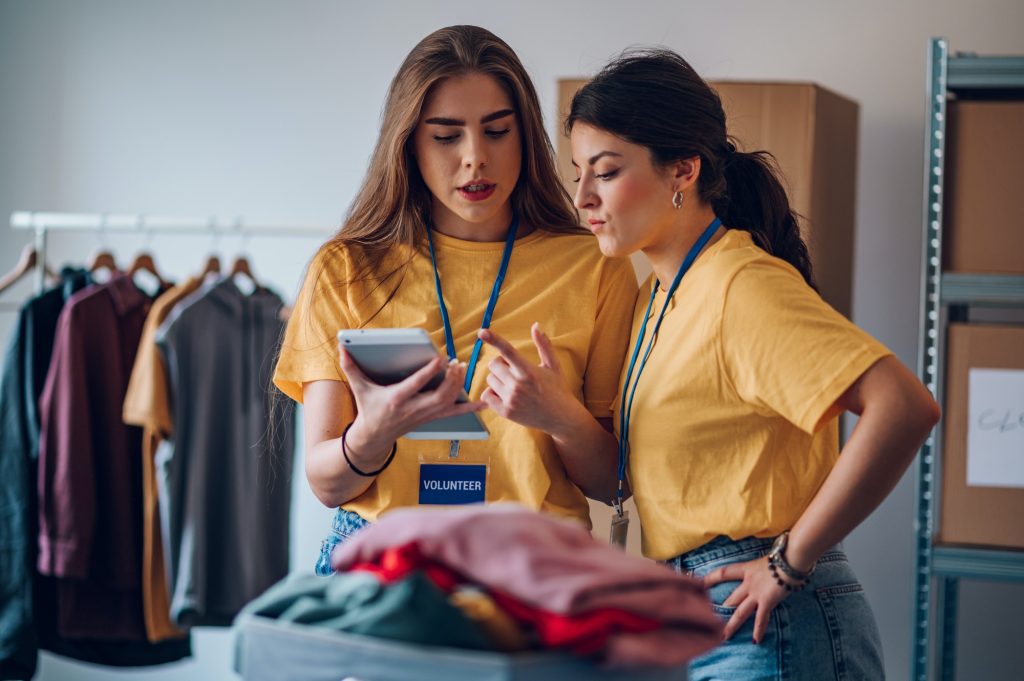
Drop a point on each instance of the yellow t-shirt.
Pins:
(734, 426)
(583, 301)
(147, 403)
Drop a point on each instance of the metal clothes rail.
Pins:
(143, 223)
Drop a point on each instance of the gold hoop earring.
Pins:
(677, 200)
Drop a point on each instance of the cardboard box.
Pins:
(969, 514)
(812, 132)
(984, 218)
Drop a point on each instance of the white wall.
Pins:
(270, 111)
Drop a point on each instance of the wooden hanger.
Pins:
(103, 259)
(212, 266)
(26, 263)
(144, 262)
(241, 266)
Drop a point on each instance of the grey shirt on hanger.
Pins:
(224, 474)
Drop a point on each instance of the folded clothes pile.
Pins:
(502, 578)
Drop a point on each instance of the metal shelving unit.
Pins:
(945, 296)
(973, 289)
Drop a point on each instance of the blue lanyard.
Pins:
(627, 406)
(449, 340)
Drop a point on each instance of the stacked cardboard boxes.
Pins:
(984, 208)
(983, 428)
(982, 495)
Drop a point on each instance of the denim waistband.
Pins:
(720, 548)
(723, 548)
(346, 522)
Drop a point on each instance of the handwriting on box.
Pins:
(995, 428)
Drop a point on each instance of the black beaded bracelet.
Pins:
(773, 567)
(355, 469)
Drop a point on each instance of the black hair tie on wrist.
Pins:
(365, 474)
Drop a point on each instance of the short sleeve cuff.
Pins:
(825, 408)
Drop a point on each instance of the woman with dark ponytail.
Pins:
(728, 412)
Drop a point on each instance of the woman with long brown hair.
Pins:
(461, 218)
(729, 404)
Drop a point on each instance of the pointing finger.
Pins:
(544, 348)
(505, 349)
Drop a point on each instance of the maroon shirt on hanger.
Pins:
(90, 466)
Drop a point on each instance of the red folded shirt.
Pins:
(583, 634)
(575, 592)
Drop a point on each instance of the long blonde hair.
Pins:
(391, 209)
(393, 204)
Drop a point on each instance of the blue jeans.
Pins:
(825, 632)
(344, 525)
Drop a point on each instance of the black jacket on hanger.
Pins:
(24, 372)
(28, 600)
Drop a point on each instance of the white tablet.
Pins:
(388, 356)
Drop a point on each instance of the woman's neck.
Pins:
(494, 228)
(667, 254)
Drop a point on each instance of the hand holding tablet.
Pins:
(388, 368)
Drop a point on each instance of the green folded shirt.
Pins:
(412, 610)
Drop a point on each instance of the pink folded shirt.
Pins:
(556, 566)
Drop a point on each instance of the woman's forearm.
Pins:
(896, 415)
(380, 415)
(331, 478)
(589, 453)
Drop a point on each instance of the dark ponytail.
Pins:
(755, 200)
(655, 99)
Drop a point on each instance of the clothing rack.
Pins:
(142, 223)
